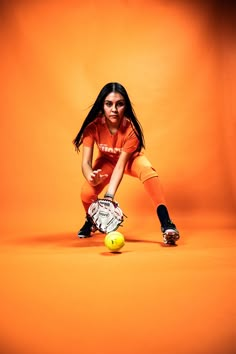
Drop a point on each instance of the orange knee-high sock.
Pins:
(155, 191)
(86, 206)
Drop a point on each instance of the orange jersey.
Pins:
(110, 146)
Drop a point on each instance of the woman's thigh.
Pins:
(140, 167)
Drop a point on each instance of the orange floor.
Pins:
(61, 295)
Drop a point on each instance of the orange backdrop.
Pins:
(177, 61)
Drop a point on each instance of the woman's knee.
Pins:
(147, 172)
(88, 194)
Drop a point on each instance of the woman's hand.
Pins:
(96, 177)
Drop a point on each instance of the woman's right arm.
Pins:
(87, 158)
(94, 177)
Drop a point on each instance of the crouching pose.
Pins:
(113, 126)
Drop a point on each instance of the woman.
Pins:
(113, 126)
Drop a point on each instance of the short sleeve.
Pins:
(89, 135)
(131, 142)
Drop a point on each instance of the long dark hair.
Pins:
(97, 109)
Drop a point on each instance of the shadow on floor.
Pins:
(70, 240)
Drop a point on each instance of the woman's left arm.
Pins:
(117, 174)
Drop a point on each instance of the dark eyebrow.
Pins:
(122, 100)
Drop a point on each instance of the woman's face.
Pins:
(114, 108)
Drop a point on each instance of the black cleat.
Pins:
(170, 233)
(86, 229)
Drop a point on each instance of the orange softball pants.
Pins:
(138, 167)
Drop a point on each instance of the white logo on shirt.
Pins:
(105, 148)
